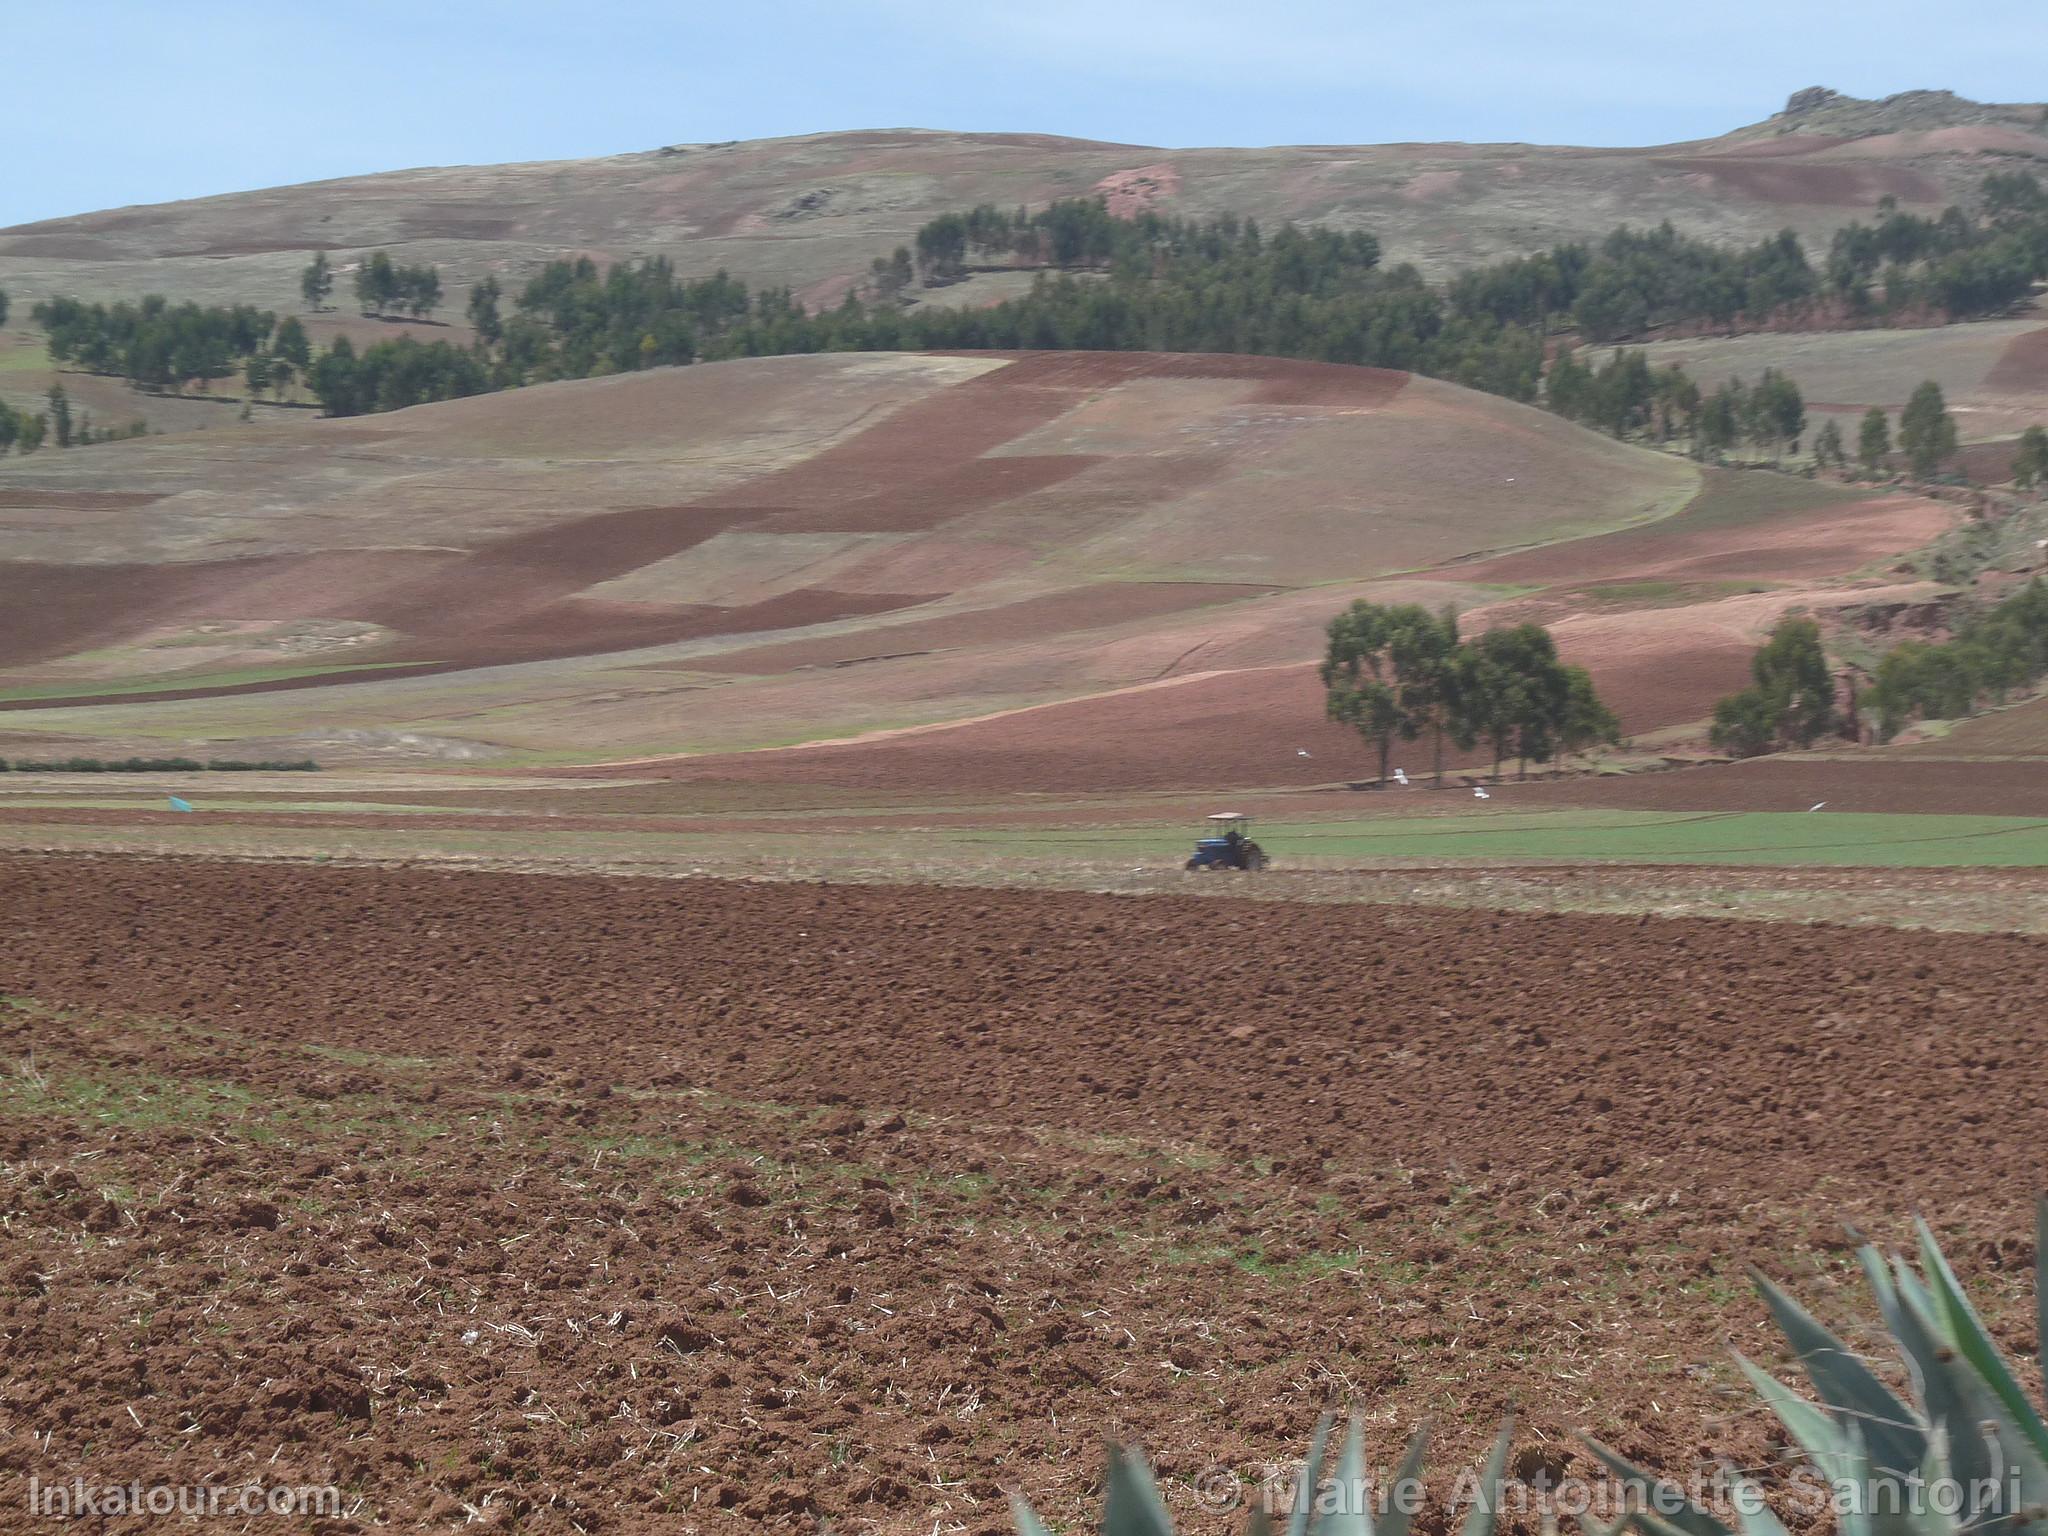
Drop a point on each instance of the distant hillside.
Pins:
(1127, 559)
(699, 557)
(812, 211)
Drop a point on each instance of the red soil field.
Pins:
(1030, 618)
(1984, 463)
(78, 501)
(519, 598)
(2023, 366)
(1280, 381)
(628, 1207)
(1238, 729)
(945, 490)
(1806, 184)
(1813, 532)
(2018, 732)
(563, 627)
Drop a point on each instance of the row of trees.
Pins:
(1793, 700)
(1081, 234)
(1218, 285)
(157, 345)
(391, 375)
(1626, 285)
(1991, 656)
(21, 431)
(1626, 397)
(1293, 297)
(1927, 437)
(26, 431)
(382, 287)
(1399, 672)
(1959, 264)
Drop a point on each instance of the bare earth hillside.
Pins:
(1077, 569)
(813, 211)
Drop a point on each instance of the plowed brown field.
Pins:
(602, 1205)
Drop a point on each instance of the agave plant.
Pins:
(1132, 1506)
(1964, 1451)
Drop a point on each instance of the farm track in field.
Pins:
(633, 1206)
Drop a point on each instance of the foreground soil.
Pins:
(610, 1205)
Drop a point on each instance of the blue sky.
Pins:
(137, 101)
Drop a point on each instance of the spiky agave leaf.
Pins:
(1485, 1512)
(1907, 1308)
(1903, 1309)
(2041, 1283)
(1754, 1515)
(1965, 1333)
(1998, 1451)
(1133, 1506)
(1025, 1518)
(1352, 1515)
(1752, 1512)
(1311, 1479)
(1993, 1459)
(1687, 1518)
(1894, 1433)
(1815, 1432)
(1399, 1516)
(1927, 1518)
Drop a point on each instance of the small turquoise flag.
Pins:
(180, 805)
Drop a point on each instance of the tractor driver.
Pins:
(1235, 839)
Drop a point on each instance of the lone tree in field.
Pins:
(1790, 703)
(1927, 433)
(2030, 464)
(1775, 414)
(1719, 421)
(60, 416)
(1425, 652)
(291, 345)
(484, 318)
(1587, 721)
(1359, 677)
(316, 282)
(1873, 440)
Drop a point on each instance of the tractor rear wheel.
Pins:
(1254, 857)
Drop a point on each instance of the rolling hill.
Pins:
(811, 212)
(1127, 558)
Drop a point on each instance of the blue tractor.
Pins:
(1223, 845)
